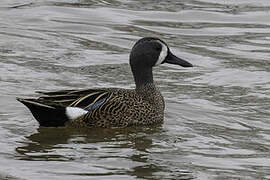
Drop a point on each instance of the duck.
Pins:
(111, 107)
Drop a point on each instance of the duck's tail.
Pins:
(46, 115)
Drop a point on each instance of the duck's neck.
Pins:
(145, 87)
(143, 77)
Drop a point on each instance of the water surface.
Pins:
(217, 113)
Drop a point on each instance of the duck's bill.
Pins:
(172, 59)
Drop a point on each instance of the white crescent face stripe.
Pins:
(163, 53)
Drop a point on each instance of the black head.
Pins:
(149, 52)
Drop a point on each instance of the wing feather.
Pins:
(84, 98)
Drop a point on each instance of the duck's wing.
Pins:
(55, 108)
(75, 98)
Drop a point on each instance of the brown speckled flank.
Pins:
(111, 107)
(125, 107)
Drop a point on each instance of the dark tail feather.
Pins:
(46, 115)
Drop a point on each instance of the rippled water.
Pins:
(217, 123)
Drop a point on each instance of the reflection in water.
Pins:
(118, 151)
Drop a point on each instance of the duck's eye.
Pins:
(158, 48)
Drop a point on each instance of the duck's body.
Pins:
(107, 107)
(111, 107)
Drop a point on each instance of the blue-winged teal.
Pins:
(111, 107)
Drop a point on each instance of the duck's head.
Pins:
(149, 52)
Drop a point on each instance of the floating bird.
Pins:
(111, 107)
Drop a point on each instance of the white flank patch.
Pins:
(74, 112)
(163, 54)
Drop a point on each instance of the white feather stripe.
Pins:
(74, 112)
(163, 54)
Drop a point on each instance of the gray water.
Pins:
(217, 123)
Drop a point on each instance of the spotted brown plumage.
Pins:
(111, 107)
